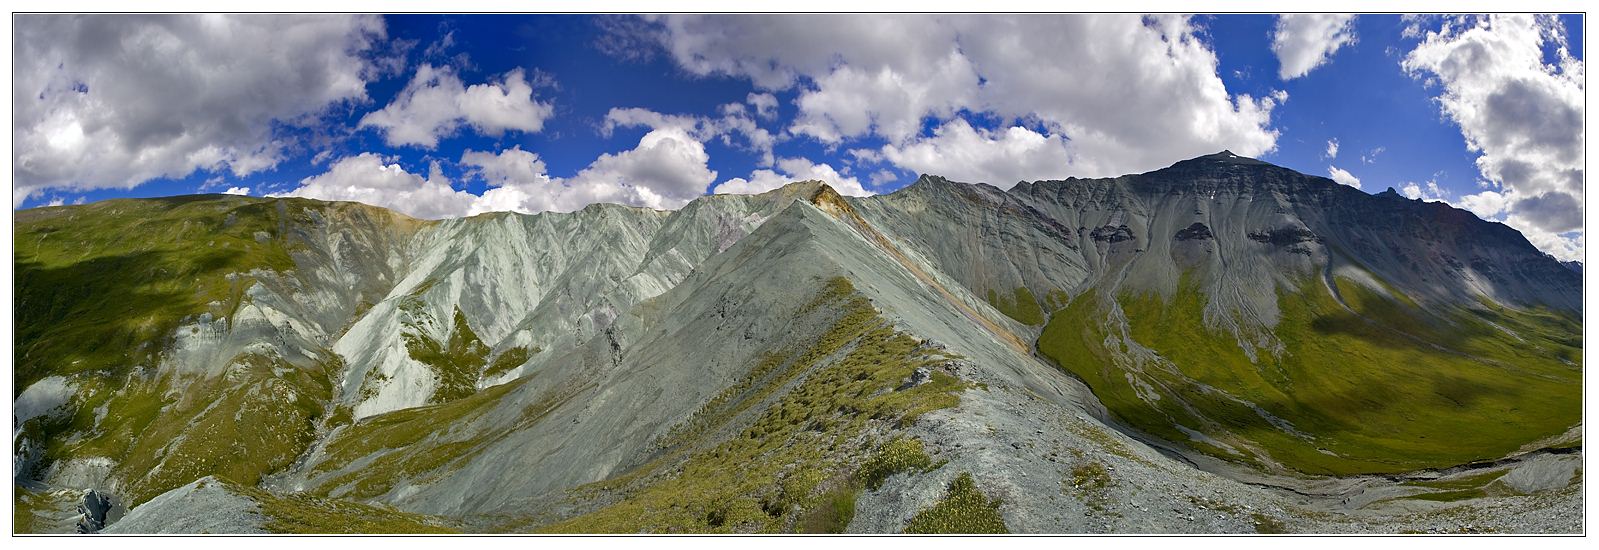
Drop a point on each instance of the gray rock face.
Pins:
(1545, 473)
(92, 511)
(1244, 229)
(204, 506)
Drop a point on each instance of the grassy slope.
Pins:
(407, 444)
(1368, 387)
(798, 467)
(1021, 306)
(305, 514)
(455, 363)
(101, 288)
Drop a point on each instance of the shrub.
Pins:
(899, 455)
(964, 509)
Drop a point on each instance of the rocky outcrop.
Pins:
(1195, 231)
(92, 511)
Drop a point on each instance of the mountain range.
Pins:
(1223, 345)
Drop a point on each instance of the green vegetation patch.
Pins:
(834, 511)
(795, 467)
(1386, 388)
(307, 515)
(455, 363)
(253, 420)
(100, 291)
(1268, 525)
(1021, 306)
(1460, 488)
(899, 455)
(408, 443)
(1475, 481)
(1089, 482)
(28, 505)
(100, 288)
(964, 509)
(510, 359)
(1089, 476)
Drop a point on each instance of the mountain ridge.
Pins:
(465, 346)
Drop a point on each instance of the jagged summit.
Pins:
(1228, 157)
(798, 189)
(1225, 157)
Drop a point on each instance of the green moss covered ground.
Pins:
(304, 514)
(403, 445)
(964, 509)
(510, 359)
(100, 288)
(456, 362)
(1387, 387)
(1019, 305)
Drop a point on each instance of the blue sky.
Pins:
(654, 111)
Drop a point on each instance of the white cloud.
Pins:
(866, 155)
(1001, 157)
(765, 104)
(372, 179)
(1153, 94)
(1486, 205)
(237, 191)
(881, 177)
(1371, 156)
(1565, 246)
(1520, 110)
(435, 104)
(1428, 192)
(792, 170)
(667, 170)
(116, 100)
(1343, 177)
(506, 167)
(1332, 149)
(1303, 42)
(734, 121)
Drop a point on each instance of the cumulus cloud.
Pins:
(881, 177)
(666, 170)
(1332, 149)
(436, 104)
(1486, 205)
(1343, 176)
(1001, 158)
(765, 104)
(116, 100)
(1303, 42)
(506, 167)
(1565, 246)
(237, 191)
(1153, 94)
(1428, 191)
(1521, 111)
(735, 121)
(374, 179)
(791, 170)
